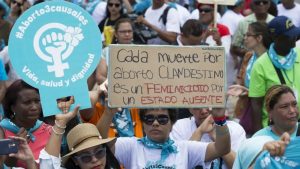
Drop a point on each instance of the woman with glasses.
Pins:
(126, 123)
(17, 7)
(87, 149)
(157, 150)
(257, 39)
(114, 12)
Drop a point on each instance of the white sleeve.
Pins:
(124, 148)
(173, 21)
(195, 14)
(237, 135)
(196, 153)
(48, 161)
(99, 12)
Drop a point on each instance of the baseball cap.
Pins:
(283, 25)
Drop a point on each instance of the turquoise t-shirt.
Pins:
(3, 75)
(267, 131)
(290, 159)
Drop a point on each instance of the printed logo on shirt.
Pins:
(55, 46)
(157, 165)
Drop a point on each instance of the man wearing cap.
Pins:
(260, 13)
(282, 55)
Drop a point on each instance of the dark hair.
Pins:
(3, 9)
(261, 28)
(192, 27)
(171, 112)
(122, 20)
(274, 93)
(117, 26)
(111, 161)
(12, 94)
(121, 9)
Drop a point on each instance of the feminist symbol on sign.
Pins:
(58, 45)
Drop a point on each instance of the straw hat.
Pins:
(84, 136)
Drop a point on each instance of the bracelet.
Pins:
(222, 118)
(57, 133)
(59, 126)
(220, 123)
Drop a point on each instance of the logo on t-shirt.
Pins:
(158, 165)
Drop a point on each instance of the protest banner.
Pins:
(166, 76)
(55, 46)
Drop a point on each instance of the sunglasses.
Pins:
(112, 4)
(162, 119)
(18, 3)
(205, 10)
(86, 158)
(261, 2)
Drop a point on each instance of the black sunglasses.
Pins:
(112, 4)
(162, 119)
(86, 158)
(18, 3)
(261, 2)
(205, 10)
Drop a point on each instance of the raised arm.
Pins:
(221, 146)
(54, 144)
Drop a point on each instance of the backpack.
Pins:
(164, 15)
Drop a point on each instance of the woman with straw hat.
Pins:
(87, 148)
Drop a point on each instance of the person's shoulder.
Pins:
(235, 128)
(185, 122)
(263, 132)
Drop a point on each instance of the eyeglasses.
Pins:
(250, 34)
(86, 158)
(205, 10)
(18, 3)
(261, 2)
(162, 119)
(125, 31)
(113, 4)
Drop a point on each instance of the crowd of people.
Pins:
(261, 39)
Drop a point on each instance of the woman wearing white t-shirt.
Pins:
(157, 150)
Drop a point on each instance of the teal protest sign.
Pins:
(55, 46)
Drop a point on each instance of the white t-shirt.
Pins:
(232, 24)
(172, 25)
(184, 14)
(293, 14)
(183, 130)
(99, 12)
(132, 154)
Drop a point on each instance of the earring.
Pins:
(13, 115)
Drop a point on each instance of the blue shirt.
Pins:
(290, 159)
(3, 75)
(267, 131)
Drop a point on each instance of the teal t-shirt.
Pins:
(290, 159)
(267, 131)
(3, 75)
